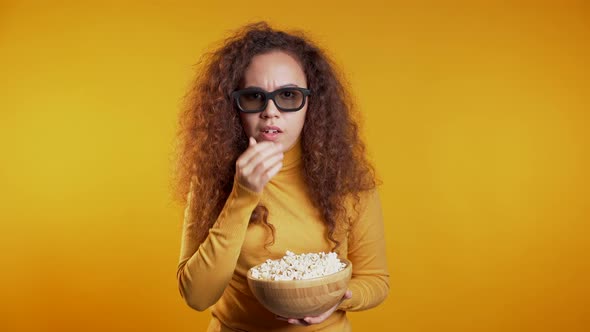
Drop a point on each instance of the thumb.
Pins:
(251, 141)
(348, 294)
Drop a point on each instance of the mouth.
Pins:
(270, 133)
(271, 130)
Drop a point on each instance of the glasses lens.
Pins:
(252, 100)
(289, 99)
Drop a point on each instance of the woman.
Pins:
(270, 160)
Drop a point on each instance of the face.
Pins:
(269, 72)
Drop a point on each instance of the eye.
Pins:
(287, 94)
(253, 96)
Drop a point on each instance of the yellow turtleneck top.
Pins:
(214, 273)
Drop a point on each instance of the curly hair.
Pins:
(210, 136)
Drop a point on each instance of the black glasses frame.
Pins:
(270, 96)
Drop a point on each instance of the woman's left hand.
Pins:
(305, 321)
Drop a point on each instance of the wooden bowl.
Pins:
(301, 298)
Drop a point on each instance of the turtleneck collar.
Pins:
(292, 157)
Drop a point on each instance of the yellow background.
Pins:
(476, 115)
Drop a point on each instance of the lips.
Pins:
(271, 130)
(270, 133)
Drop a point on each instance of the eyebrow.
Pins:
(280, 87)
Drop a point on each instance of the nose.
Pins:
(271, 110)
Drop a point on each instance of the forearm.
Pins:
(367, 252)
(204, 272)
(367, 292)
(203, 277)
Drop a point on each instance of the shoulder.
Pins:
(364, 199)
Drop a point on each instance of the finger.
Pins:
(265, 177)
(310, 320)
(318, 319)
(256, 169)
(265, 147)
(295, 321)
(253, 151)
(259, 156)
(279, 146)
(250, 151)
(348, 295)
(266, 165)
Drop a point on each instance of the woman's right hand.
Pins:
(258, 164)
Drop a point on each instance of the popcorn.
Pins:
(299, 267)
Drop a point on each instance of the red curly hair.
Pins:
(210, 137)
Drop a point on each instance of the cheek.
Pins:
(248, 123)
(300, 120)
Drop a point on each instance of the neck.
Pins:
(292, 157)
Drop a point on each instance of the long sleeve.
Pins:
(204, 271)
(366, 251)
